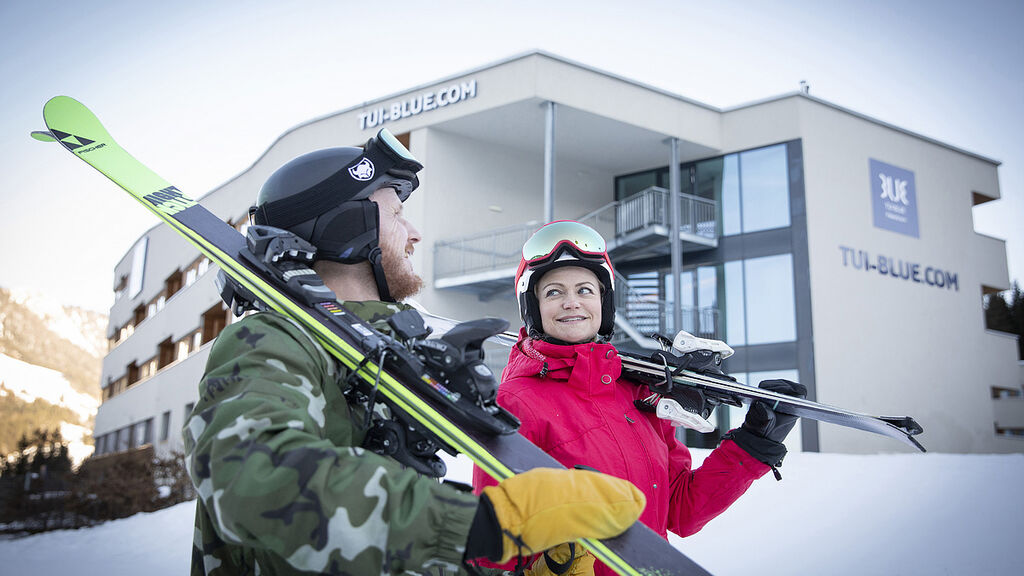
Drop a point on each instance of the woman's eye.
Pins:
(551, 293)
(585, 290)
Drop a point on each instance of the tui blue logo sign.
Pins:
(893, 198)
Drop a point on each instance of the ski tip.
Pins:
(43, 136)
(60, 98)
(60, 103)
(916, 443)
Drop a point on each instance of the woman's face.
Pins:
(570, 304)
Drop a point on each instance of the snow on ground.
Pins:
(903, 514)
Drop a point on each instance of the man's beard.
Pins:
(402, 282)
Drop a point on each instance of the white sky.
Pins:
(198, 90)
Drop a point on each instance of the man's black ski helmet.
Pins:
(323, 196)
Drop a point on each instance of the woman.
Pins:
(563, 382)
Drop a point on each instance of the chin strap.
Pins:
(378, 274)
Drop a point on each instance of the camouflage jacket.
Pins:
(284, 488)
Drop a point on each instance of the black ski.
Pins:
(702, 386)
(720, 389)
(485, 437)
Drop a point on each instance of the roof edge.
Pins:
(862, 116)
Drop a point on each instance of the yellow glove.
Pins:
(581, 562)
(544, 507)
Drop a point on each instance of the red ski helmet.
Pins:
(557, 244)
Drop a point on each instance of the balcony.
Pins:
(484, 263)
(637, 227)
(642, 223)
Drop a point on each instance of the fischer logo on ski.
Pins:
(71, 141)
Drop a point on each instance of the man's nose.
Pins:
(414, 234)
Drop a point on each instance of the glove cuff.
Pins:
(485, 538)
(760, 448)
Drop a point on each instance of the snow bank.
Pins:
(907, 514)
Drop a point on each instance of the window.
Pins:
(166, 354)
(754, 189)
(770, 306)
(751, 187)
(148, 369)
(137, 274)
(759, 301)
(190, 276)
(214, 320)
(173, 283)
(183, 349)
(124, 436)
(140, 314)
(627, 186)
(133, 374)
(764, 186)
(699, 300)
(731, 216)
(165, 426)
(120, 287)
(143, 433)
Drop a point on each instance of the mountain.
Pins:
(50, 362)
(67, 339)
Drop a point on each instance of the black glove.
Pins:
(764, 429)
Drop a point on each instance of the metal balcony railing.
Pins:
(483, 252)
(648, 315)
(500, 249)
(651, 207)
(470, 259)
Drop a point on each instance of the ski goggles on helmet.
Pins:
(385, 162)
(547, 242)
(564, 243)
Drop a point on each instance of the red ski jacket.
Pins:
(573, 405)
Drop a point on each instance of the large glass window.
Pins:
(734, 312)
(165, 426)
(124, 438)
(730, 197)
(759, 302)
(709, 178)
(770, 306)
(751, 187)
(764, 185)
(699, 301)
(626, 186)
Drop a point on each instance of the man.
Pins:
(273, 447)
